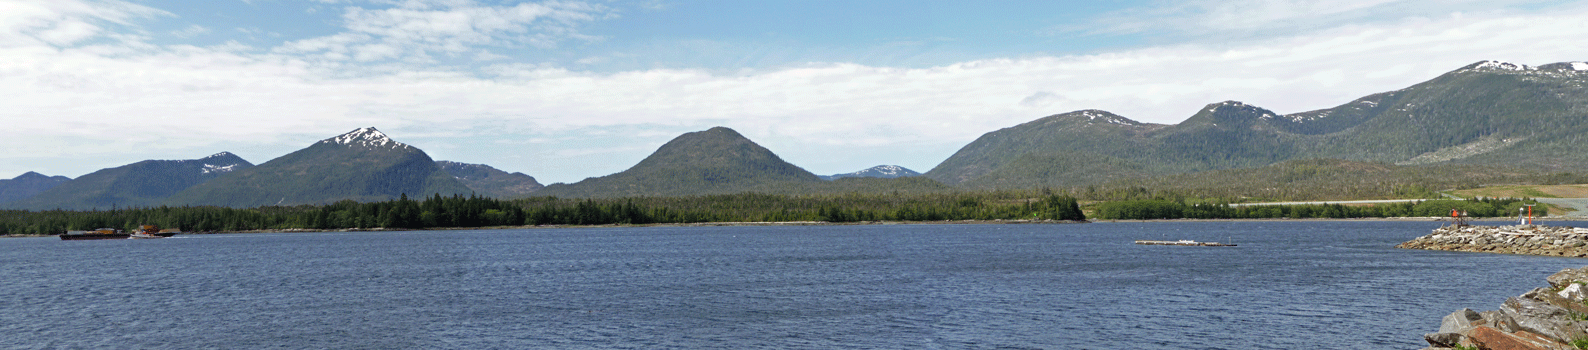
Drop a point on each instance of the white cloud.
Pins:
(191, 31)
(61, 23)
(417, 29)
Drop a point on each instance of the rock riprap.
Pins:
(1519, 239)
(1555, 317)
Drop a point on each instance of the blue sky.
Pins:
(725, 36)
(564, 90)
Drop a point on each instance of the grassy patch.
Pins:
(1580, 343)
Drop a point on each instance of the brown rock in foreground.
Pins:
(1555, 317)
(1519, 239)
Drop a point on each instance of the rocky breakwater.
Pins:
(1544, 318)
(1519, 239)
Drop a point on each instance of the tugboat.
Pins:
(152, 231)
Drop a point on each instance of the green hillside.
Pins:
(363, 165)
(1324, 179)
(143, 183)
(1055, 170)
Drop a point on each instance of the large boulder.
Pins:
(1567, 276)
(1459, 321)
(1499, 320)
(1542, 318)
(1494, 339)
(1444, 340)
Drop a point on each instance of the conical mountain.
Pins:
(491, 182)
(144, 183)
(361, 165)
(28, 185)
(714, 161)
(1486, 113)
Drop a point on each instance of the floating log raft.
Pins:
(1185, 242)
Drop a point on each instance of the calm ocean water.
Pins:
(1324, 285)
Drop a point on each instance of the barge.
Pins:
(144, 232)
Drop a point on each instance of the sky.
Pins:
(565, 90)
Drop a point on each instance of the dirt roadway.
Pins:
(1576, 207)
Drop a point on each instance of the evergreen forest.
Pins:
(458, 211)
(474, 211)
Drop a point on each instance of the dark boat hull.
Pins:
(110, 236)
(95, 236)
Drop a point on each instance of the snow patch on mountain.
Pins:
(1500, 65)
(461, 165)
(1303, 117)
(367, 137)
(212, 168)
(1093, 115)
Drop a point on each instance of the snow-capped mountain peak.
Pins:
(219, 163)
(367, 137)
(880, 171)
(893, 170)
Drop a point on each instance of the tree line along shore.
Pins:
(458, 211)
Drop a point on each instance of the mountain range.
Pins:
(1489, 116)
(1489, 112)
(144, 183)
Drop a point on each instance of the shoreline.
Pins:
(824, 223)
